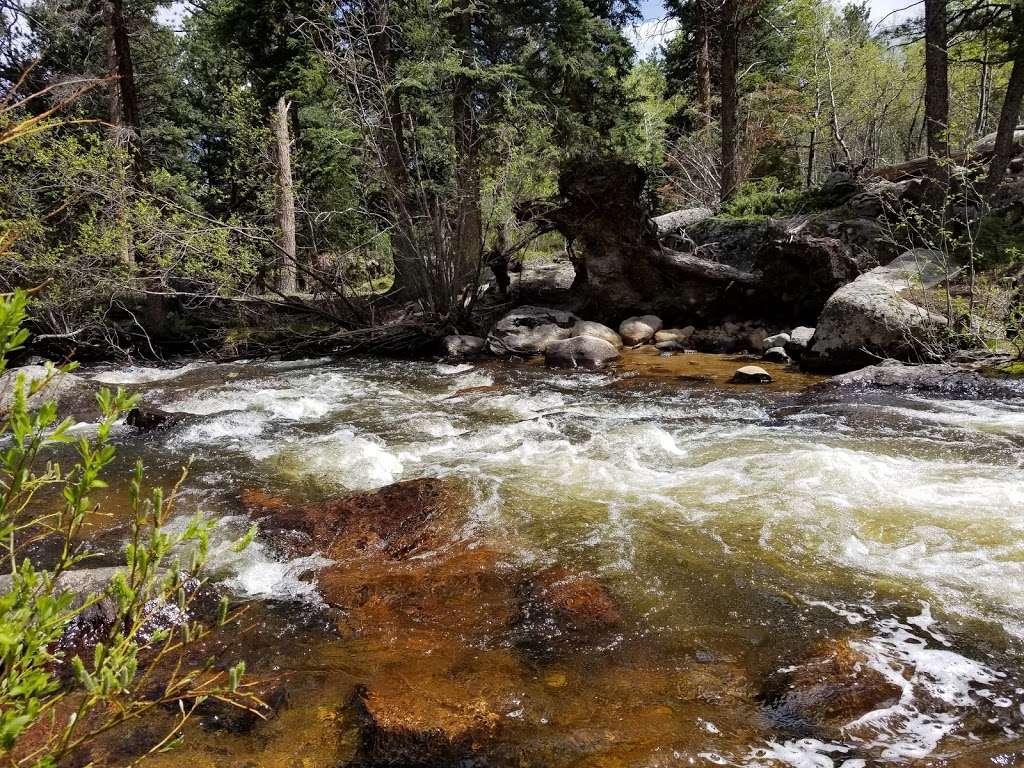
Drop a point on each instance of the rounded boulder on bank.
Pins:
(581, 352)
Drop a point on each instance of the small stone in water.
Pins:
(751, 374)
(555, 680)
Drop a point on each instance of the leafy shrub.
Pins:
(54, 702)
(1000, 239)
(764, 197)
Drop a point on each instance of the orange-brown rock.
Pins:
(576, 603)
(449, 708)
(463, 591)
(832, 686)
(260, 503)
(395, 520)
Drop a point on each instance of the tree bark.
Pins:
(1008, 117)
(468, 246)
(730, 64)
(984, 92)
(287, 252)
(124, 115)
(124, 102)
(812, 143)
(936, 66)
(703, 61)
(686, 265)
(836, 133)
(389, 137)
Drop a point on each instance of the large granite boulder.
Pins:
(872, 318)
(462, 347)
(527, 331)
(638, 330)
(598, 331)
(799, 340)
(581, 352)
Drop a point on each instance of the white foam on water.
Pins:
(434, 426)
(260, 576)
(285, 404)
(801, 753)
(255, 572)
(234, 425)
(982, 415)
(925, 621)
(347, 458)
(817, 496)
(307, 394)
(452, 370)
(938, 689)
(140, 374)
(521, 405)
(290, 365)
(828, 499)
(471, 380)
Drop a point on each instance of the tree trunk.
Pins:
(1008, 117)
(984, 93)
(124, 102)
(812, 144)
(468, 246)
(124, 116)
(836, 133)
(936, 67)
(730, 65)
(703, 61)
(389, 136)
(287, 251)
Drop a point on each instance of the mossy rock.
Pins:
(1014, 370)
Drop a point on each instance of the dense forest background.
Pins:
(379, 156)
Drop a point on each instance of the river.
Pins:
(738, 535)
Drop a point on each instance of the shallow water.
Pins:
(733, 538)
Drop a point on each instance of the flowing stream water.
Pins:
(736, 534)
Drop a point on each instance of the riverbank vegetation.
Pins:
(84, 653)
(372, 164)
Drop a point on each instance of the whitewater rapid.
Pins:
(901, 502)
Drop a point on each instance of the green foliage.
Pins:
(65, 196)
(1000, 240)
(644, 140)
(765, 197)
(1015, 335)
(42, 718)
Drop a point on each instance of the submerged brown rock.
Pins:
(465, 656)
(395, 520)
(832, 686)
(576, 603)
(145, 419)
(436, 715)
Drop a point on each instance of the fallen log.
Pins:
(704, 269)
(919, 166)
(677, 220)
(979, 153)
